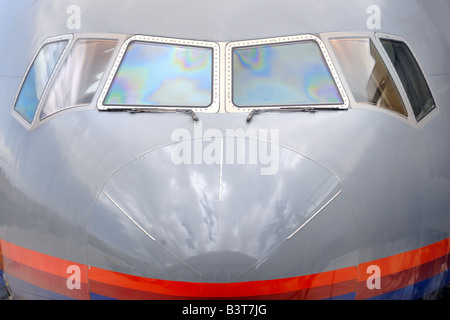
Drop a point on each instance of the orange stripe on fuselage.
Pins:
(404, 269)
(397, 271)
(42, 270)
(409, 259)
(219, 290)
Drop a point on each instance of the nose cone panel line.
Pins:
(214, 219)
(316, 213)
(145, 232)
(129, 217)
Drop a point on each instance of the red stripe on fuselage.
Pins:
(44, 271)
(315, 286)
(396, 272)
(1, 257)
(401, 270)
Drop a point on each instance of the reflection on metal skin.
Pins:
(204, 217)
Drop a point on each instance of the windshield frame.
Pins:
(231, 107)
(379, 36)
(16, 114)
(212, 108)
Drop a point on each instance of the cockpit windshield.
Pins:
(288, 74)
(160, 74)
(283, 74)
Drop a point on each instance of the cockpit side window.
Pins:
(80, 75)
(366, 74)
(37, 78)
(411, 76)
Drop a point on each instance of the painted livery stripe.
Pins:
(405, 269)
(410, 259)
(39, 261)
(319, 286)
(409, 271)
(316, 293)
(1, 257)
(42, 270)
(23, 274)
(397, 271)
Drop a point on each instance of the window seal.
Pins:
(215, 99)
(231, 107)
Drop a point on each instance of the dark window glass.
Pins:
(411, 76)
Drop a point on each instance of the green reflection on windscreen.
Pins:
(154, 74)
(282, 75)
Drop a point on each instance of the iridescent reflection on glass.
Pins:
(37, 79)
(153, 74)
(282, 75)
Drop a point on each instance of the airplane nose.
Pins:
(221, 217)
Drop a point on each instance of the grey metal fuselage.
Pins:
(64, 181)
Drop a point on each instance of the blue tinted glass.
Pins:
(37, 79)
(153, 74)
(283, 74)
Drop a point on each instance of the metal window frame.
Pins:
(15, 113)
(215, 98)
(419, 123)
(90, 37)
(378, 46)
(231, 107)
